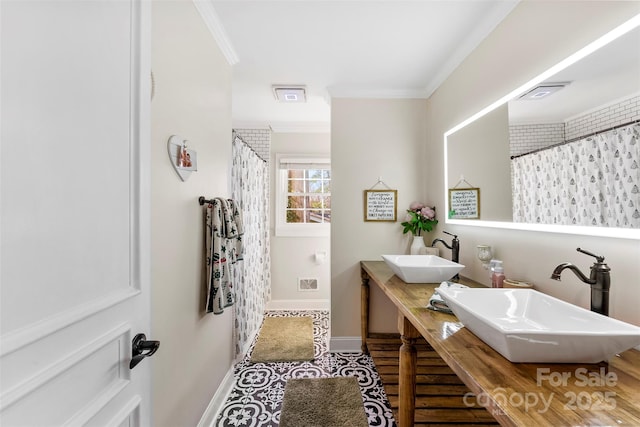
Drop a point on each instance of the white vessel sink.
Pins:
(422, 268)
(525, 325)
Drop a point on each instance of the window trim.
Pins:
(300, 161)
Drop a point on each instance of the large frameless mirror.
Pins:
(562, 152)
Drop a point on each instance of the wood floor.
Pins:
(439, 391)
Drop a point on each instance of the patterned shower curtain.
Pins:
(250, 190)
(594, 181)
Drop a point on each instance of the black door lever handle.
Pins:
(141, 348)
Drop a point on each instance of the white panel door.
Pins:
(75, 212)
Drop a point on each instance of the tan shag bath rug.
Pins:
(284, 339)
(323, 402)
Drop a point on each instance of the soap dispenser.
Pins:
(497, 273)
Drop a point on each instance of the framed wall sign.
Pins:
(464, 203)
(380, 205)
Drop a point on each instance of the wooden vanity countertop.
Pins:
(519, 394)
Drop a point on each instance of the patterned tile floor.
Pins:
(256, 398)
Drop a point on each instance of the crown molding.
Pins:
(285, 127)
(250, 125)
(472, 41)
(301, 127)
(210, 18)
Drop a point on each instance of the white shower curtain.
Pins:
(594, 181)
(249, 188)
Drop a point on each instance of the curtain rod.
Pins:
(235, 135)
(202, 200)
(576, 139)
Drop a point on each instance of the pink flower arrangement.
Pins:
(420, 217)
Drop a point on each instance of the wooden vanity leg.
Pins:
(364, 310)
(407, 374)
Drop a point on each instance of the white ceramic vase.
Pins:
(417, 245)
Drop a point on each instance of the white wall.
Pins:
(532, 38)
(193, 100)
(371, 138)
(293, 257)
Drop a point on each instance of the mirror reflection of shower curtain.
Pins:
(250, 190)
(594, 181)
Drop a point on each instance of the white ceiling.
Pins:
(340, 48)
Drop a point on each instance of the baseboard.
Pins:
(345, 345)
(208, 419)
(300, 304)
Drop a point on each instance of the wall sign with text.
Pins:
(464, 203)
(380, 205)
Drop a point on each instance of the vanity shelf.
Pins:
(590, 394)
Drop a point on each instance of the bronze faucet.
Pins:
(454, 247)
(599, 280)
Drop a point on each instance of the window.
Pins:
(303, 196)
(308, 196)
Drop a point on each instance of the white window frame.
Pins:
(282, 227)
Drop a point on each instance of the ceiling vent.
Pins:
(543, 90)
(290, 93)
